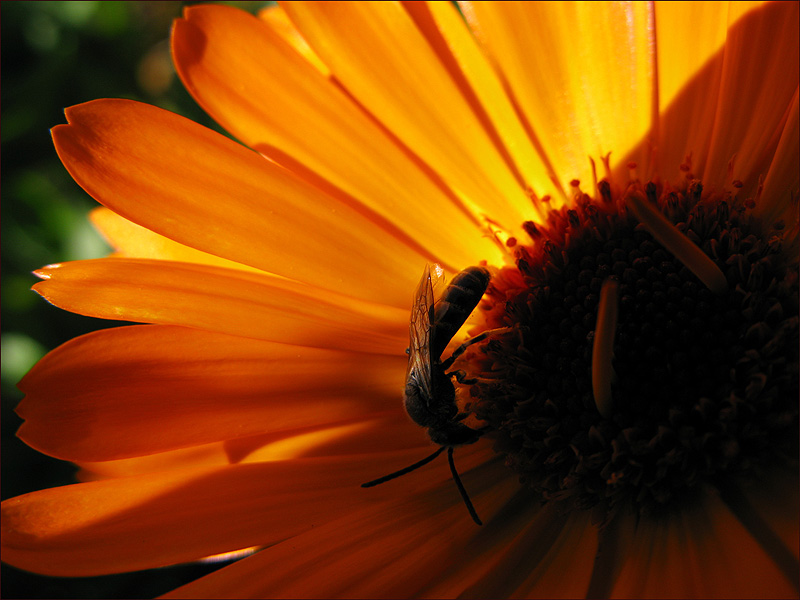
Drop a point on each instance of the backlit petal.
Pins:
(445, 30)
(750, 117)
(279, 22)
(277, 103)
(139, 390)
(584, 89)
(393, 550)
(222, 300)
(134, 241)
(159, 519)
(354, 436)
(681, 51)
(196, 187)
(375, 50)
(704, 553)
(779, 198)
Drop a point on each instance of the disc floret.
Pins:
(699, 380)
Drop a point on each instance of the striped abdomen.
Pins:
(458, 300)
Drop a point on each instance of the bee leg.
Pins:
(461, 377)
(462, 348)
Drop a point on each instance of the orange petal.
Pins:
(222, 300)
(531, 551)
(279, 22)
(159, 519)
(775, 500)
(354, 436)
(206, 456)
(689, 68)
(377, 53)
(582, 74)
(703, 553)
(138, 390)
(277, 103)
(456, 47)
(198, 188)
(134, 241)
(779, 198)
(760, 75)
(418, 535)
(681, 51)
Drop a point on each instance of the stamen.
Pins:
(603, 348)
(676, 242)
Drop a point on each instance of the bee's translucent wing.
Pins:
(420, 331)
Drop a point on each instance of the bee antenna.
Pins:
(416, 465)
(461, 487)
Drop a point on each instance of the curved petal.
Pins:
(222, 300)
(446, 31)
(134, 241)
(279, 22)
(584, 90)
(779, 198)
(279, 104)
(140, 390)
(198, 188)
(416, 534)
(775, 499)
(536, 552)
(760, 75)
(387, 433)
(704, 553)
(164, 518)
(681, 51)
(377, 53)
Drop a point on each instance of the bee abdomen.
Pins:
(458, 300)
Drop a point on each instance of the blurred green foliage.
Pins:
(54, 55)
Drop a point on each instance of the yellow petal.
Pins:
(277, 103)
(223, 300)
(586, 89)
(198, 188)
(377, 53)
(445, 30)
(133, 391)
(681, 51)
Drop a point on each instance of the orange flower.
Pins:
(639, 406)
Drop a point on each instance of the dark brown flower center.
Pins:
(704, 384)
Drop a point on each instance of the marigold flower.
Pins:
(626, 173)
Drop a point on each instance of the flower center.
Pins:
(625, 380)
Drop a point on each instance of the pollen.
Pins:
(654, 349)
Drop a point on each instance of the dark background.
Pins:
(54, 55)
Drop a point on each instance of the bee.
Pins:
(430, 396)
